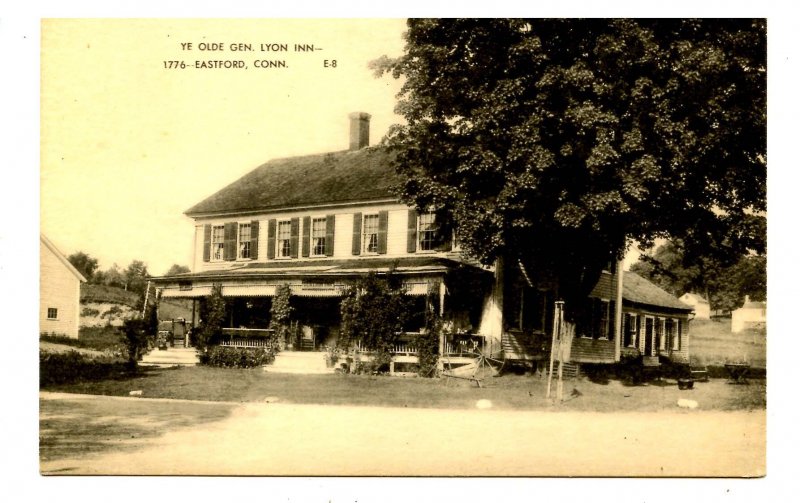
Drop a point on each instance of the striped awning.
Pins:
(301, 289)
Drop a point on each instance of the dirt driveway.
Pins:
(288, 439)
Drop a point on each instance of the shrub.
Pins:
(374, 311)
(427, 344)
(69, 367)
(281, 315)
(137, 340)
(88, 311)
(243, 358)
(212, 313)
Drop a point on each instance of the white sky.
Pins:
(127, 146)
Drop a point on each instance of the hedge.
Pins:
(72, 366)
(222, 356)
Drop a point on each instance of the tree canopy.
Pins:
(554, 143)
(84, 263)
(723, 286)
(177, 269)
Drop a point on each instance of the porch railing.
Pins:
(246, 337)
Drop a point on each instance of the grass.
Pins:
(712, 343)
(510, 392)
(96, 338)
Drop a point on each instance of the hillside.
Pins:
(103, 305)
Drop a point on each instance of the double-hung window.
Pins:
(630, 330)
(370, 233)
(52, 313)
(244, 241)
(218, 242)
(318, 229)
(428, 231)
(284, 243)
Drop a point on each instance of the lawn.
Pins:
(509, 392)
(712, 343)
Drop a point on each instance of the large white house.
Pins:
(59, 292)
(318, 222)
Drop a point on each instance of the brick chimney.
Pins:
(359, 130)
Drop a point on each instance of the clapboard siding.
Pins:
(397, 234)
(60, 289)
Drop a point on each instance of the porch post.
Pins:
(440, 362)
(618, 315)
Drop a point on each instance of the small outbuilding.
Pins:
(702, 309)
(59, 292)
(751, 315)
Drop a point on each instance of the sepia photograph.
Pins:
(440, 247)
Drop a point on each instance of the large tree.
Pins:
(84, 263)
(554, 143)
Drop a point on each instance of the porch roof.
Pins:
(636, 289)
(326, 268)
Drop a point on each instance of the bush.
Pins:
(243, 358)
(69, 367)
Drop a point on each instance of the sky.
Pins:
(128, 144)
(129, 140)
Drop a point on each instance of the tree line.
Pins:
(133, 278)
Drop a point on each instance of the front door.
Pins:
(648, 335)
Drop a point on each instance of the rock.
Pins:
(687, 404)
(136, 393)
(484, 404)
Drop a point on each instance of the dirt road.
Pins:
(285, 439)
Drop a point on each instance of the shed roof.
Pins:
(641, 291)
(311, 180)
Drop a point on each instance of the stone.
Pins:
(687, 404)
(484, 404)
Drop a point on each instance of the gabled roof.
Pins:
(639, 290)
(310, 180)
(61, 257)
(694, 297)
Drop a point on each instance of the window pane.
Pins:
(370, 233)
(284, 238)
(427, 231)
(318, 236)
(244, 240)
(218, 242)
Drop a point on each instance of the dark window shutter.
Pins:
(271, 224)
(357, 234)
(254, 239)
(412, 231)
(383, 230)
(206, 243)
(294, 237)
(306, 236)
(231, 228)
(330, 226)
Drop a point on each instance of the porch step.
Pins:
(299, 362)
(170, 357)
(651, 361)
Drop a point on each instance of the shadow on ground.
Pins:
(76, 428)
